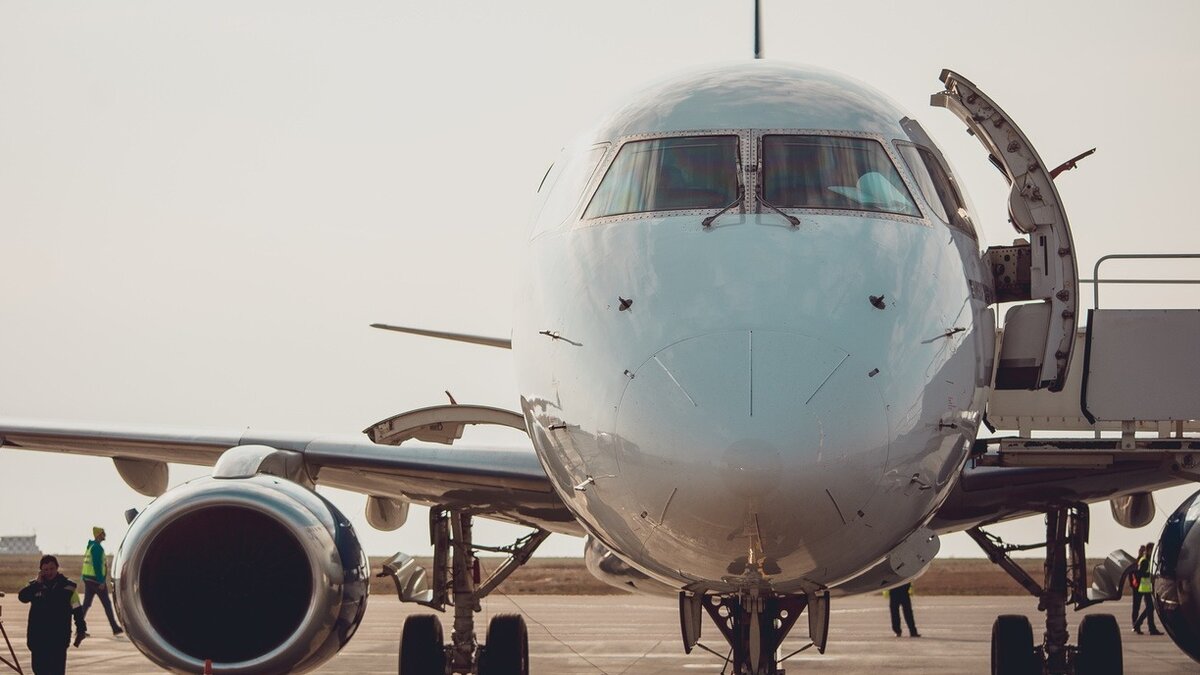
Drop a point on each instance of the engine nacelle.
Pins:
(1133, 510)
(259, 574)
(1177, 577)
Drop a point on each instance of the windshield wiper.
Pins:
(795, 222)
(790, 218)
(740, 199)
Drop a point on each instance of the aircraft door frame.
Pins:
(1035, 209)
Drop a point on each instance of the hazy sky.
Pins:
(203, 205)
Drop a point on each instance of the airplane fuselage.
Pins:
(751, 402)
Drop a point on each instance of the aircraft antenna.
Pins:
(758, 29)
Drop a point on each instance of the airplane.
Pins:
(756, 344)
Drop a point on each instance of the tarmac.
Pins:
(633, 635)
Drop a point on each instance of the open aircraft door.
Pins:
(1035, 350)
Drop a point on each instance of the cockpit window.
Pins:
(937, 186)
(669, 174)
(832, 172)
(562, 186)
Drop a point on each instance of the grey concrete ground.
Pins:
(631, 635)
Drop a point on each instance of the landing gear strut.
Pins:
(1013, 651)
(455, 580)
(755, 625)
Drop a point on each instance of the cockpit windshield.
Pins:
(669, 174)
(832, 172)
(937, 186)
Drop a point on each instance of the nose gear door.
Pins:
(1039, 336)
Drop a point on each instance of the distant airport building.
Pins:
(19, 545)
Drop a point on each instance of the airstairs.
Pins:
(1132, 392)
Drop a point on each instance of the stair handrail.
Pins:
(1096, 280)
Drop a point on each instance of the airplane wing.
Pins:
(501, 483)
(991, 494)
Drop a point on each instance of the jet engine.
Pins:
(259, 574)
(1177, 577)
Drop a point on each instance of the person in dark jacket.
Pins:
(53, 601)
(95, 579)
(898, 598)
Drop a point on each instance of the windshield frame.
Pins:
(956, 222)
(749, 154)
(566, 162)
(884, 142)
(743, 140)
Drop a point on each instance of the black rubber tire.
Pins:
(1012, 646)
(1099, 646)
(506, 651)
(421, 651)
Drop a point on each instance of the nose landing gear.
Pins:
(755, 625)
(1098, 651)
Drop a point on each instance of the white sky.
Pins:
(203, 205)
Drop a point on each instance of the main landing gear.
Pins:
(755, 625)
(455, 580)
(1098, 651)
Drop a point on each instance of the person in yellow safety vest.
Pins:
(1146, 589)
(1134, 584)
(53, 601)
(95, 580)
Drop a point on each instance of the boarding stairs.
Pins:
(1132, 392)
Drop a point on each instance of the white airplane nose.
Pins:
(770, 436)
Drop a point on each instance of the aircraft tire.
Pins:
(507, 649)
(421, 651)
(1099, 646)
(1012, 646)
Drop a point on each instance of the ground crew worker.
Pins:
(53, 600)
(1146, 589)
(95, 580)
(1134, 584)
(898, 598)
